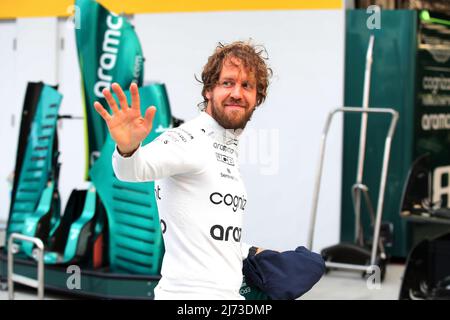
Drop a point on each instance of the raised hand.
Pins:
(126, 125)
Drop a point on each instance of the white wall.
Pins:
(32, 58)
(10, 118)
(70, 131)
(39, 56)
(37, 53)
(280, 146)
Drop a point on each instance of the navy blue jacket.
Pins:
(284, 275)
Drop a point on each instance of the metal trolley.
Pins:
(357, 256)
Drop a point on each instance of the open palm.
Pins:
(126, 125)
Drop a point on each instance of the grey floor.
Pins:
(345, 285)
(336, 285)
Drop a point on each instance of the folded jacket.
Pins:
(284, 275)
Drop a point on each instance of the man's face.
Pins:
(232, 101)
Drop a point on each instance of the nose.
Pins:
(236, 92)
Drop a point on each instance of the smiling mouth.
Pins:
(234, 106)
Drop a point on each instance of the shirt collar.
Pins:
(229, 137)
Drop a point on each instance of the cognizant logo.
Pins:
(108, 58)
(235, 202)
(436, 84)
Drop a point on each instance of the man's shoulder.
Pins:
(179, 134)
(189, 132)
(190, 129)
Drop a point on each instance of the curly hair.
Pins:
(253, 59)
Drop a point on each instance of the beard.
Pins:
(234, 119)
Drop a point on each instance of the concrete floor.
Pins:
(336, 285)
(346, 285)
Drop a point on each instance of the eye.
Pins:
(227, 83)
(247, 85)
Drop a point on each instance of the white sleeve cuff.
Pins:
(245, 248)
(116, 153)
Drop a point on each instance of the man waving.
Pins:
(200, 193)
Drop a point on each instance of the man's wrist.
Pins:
(126, 154)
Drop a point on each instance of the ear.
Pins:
(208, 95)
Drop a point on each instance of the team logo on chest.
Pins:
(220, 233)
(229, 200)
(157, 192)
(225, 159)
(223, 148)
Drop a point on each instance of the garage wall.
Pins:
(9, 121)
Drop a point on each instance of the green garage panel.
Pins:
(392, 86)
(410, 73)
